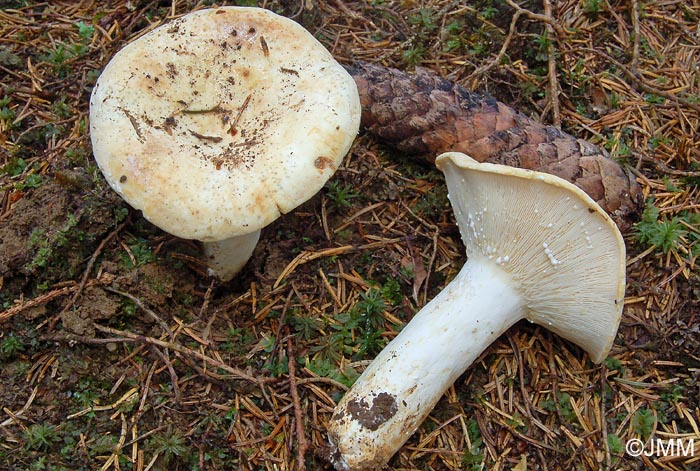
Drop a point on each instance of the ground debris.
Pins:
(118, 351)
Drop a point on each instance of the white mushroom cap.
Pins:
(564, 253)
(219, 121)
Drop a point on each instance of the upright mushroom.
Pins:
(218, 122)
(539, 249)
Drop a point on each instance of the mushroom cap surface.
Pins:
(219, 121)
(565, 254)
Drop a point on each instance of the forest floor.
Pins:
(119, 352)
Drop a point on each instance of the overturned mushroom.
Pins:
(539, 249)
(218, 122)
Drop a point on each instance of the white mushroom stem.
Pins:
(403, 384)
(227, 257)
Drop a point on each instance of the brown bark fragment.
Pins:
(425, 115)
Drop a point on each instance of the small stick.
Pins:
(323, 379)
(603, 421)
(14, 418)
(264, 46)
(20, 413)
(145, 435)
(536, 16)
(521, 367)
(144, 308)
(552, 69)
(38, 301)
(205, 137)
(504, 48)
(283, 320)
(173, 375)
(68, 337)
(146, 389)
(91, 262)
(635, 44)
(178, 348)
(637, 79)
(211, 376)
(216, 109)
(202, 311)
(232, 129)
(302, 444)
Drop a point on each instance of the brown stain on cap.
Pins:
(323, 163)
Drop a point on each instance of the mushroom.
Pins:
(218, 122)
(539, 249)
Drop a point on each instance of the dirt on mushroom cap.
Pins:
(222, 116)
